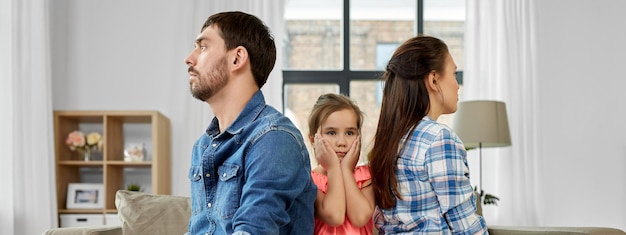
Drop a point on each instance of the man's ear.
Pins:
(239, 57)
(432, 81)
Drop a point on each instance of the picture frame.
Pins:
(85, 196)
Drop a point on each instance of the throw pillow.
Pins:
(142, 213)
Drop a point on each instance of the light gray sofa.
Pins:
(142, 213)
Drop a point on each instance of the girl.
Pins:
(345, 200)
(419, 166)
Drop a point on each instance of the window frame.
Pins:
(344, 76)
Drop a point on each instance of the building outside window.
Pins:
(317, 60)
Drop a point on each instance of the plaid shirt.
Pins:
(433, 180)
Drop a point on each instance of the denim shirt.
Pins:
(254, 178)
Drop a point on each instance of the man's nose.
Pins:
(190, 60)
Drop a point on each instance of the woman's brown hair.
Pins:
(405, 102)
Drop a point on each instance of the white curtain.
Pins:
(500, 49)
(28, 199)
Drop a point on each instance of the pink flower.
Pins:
(75, 139)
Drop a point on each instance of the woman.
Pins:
(419, 167)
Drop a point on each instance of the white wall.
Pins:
(128, 55)
(582, 56)
(123, 55)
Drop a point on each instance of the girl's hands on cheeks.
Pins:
(352, 156)
(324, 153)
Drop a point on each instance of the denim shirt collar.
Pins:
(253, 108)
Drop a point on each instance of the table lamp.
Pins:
(482, 124)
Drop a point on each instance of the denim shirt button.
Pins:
(224, 175)
(214, 145)
(209, 205)
(208, 175)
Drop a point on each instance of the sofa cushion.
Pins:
(142, 213)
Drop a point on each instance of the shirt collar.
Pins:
(250, 112)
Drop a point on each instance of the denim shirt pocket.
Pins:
(228, 190)
(197, 188)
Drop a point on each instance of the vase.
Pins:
(87, 154)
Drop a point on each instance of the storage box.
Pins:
(112, 219)
(77, 220)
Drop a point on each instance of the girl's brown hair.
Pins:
(405, 102)
(326, 105)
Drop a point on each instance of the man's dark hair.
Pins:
(242, 29)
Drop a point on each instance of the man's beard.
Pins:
(210, 83)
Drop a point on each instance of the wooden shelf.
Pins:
(129, 164)
(116, 128)
(79, 163)
(80, 211)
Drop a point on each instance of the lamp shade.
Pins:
(482, 122)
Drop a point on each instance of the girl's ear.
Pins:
(432, 81)
(312, 139)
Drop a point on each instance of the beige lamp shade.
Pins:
(482, 122)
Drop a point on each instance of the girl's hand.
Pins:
(352, 156)
(324, 153)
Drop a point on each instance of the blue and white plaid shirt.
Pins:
(435, 190)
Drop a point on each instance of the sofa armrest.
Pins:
(89, 230)
(545, 230)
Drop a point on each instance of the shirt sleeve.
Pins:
(361, 175)
(449, 176)
(275, 176)
(320, 180)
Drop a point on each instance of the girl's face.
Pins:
(340, 130)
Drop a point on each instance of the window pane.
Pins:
(299, 100)
(377, 28)
(368, 96)
(445, 19)
(313, 35)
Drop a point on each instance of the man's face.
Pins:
(208, 70)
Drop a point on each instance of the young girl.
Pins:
(345, 198)
(421, 176)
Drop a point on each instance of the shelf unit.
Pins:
(111, 168)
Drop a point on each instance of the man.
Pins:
(250, 172)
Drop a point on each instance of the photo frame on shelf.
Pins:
(85, 196)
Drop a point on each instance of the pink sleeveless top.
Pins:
(361, 174)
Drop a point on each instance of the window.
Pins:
(317, 60)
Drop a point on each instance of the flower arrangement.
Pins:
(77, 140)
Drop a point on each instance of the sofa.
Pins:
(142, 213)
